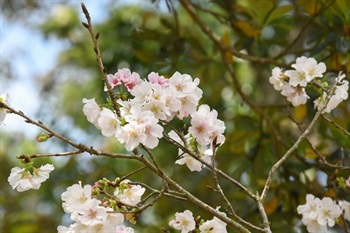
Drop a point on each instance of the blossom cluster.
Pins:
(22, 180)
(153, 101)
(292, 83)
(319, 214)
(185, 222)
(92, 215)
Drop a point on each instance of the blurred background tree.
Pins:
(161, 36)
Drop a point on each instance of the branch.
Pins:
(193, 199)
(49, 155)
(218, 171)
(80, 147)
(94, 38)
(295, 146)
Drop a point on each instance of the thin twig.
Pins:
(50, 155)
(336, 125)
(103, 70)
(320, 156)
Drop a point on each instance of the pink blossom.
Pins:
(125, 77)
(155, 78)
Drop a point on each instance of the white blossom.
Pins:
(183, 221)
(91, 213)
(22, 180)
(319, 214)
(129, 194)
(297, 96)
(311, 208)
(108, 122)
(91, 111)
(75, 197)
(345, 206)
(213, 226)
(340, 94)
(277, 79)
(306, 69)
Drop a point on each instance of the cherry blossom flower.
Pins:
(155, 78)
(124, 76)
(345, 206)
(319, 214)
(297, 96)
(131, 134)
(108, 122)
(348, 182)
(277, 79)
(91, 213)
(41, 174)
(328, 212)
(129, 194)
(4, 98)
(312, 226)
(22, 180)
(340, 94)
(310, 208)
(213, 226)
(183, 221)
(142, 127)
(191, 163)
(306, 69)
(205, 126)
(75, 197)
(91, 111)
(187, 91)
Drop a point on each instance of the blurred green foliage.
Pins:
(153, 38)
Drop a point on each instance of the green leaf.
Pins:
(278, 12)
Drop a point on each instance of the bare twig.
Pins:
(50, 155)
(336, 125)
(103, 70)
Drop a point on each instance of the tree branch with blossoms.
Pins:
(143, 116)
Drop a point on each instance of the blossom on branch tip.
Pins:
(340, 94)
